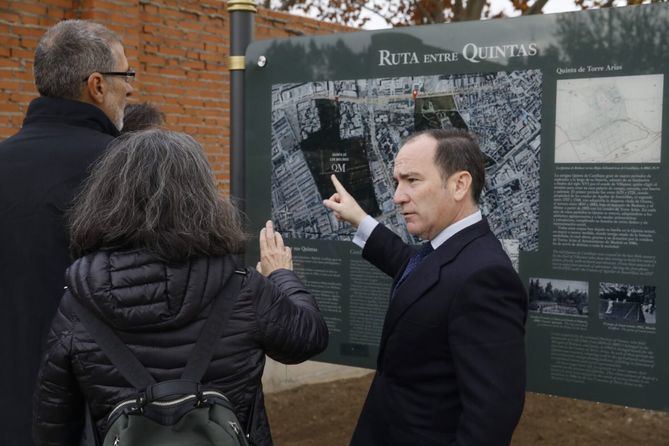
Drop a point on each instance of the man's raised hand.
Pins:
(343, 205)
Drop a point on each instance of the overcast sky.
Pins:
(552, 6)
(377, 22)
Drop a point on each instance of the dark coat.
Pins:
(451, 364)
(40, 169)
(158, 310)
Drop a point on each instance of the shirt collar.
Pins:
(456, 227)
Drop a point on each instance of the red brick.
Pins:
(7, 84)
(220, 38)
(171, 51)
(20, 53)
(194, 65)
(49, 21)
(192, 25)
(189, 120)
(157, 60)
(171, 71)
(172, 108)
(33, 32)
(151, 29)
(212, 57)
(11, 17)
(33, 8)
(21, 97)
(10, 41)
(30, 20)
(59, 3)
(9, 63)
(8, 107)
(188, 101)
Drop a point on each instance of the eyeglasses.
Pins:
(129, 75)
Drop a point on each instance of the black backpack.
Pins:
(175, 412)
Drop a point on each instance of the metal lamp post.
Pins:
(241, 34)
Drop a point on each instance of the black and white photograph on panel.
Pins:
(614, 119)
(558, 296)
(627, 303)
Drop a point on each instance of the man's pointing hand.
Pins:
(343, 205)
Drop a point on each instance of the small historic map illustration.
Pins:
(609, 119)
(354, 128)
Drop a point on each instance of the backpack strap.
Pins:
(113, 347)
(90, 435)
(127, 363)
(200, 356)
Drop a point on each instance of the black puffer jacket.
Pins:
(159, 310)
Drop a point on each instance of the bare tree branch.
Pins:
(474, 9)
(536, 8)
(457, 11)
(413, 12)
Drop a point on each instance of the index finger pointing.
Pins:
(338, 186)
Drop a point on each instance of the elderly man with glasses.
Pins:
(83, 78)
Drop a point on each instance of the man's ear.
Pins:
(95, 89)
(461, 184)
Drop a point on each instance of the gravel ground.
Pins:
(325, 415)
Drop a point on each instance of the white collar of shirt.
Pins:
(456, 227)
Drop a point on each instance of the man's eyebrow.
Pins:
(406, 174)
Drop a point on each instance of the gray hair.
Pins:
(69, 52)
(142, 116)
(154, 190)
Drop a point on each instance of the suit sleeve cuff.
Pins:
(367, 225)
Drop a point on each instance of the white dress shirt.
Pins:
(368, 224)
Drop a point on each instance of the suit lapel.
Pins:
(426, 275)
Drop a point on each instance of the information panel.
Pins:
(569, 110)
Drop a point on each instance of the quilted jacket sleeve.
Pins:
(291, 325)
(58, 405)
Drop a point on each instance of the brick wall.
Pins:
(179, 49)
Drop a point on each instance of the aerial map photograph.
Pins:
(354, 128)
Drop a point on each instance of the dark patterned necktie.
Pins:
(415, 260)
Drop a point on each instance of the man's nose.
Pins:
(129, 89)
(399, 197)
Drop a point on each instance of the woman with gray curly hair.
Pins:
(155, 244)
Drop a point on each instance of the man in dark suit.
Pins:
(82, 75)
(451, 364)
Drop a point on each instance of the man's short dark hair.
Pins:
(457, 150)
(142, 116)
(68, 52)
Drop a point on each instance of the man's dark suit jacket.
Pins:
(41, 168)
(451, 364)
